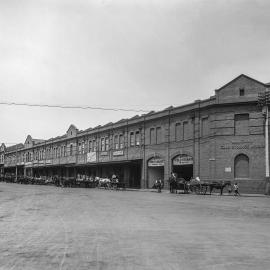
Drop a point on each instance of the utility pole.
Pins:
(263, 102)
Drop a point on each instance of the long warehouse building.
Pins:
(220, 138)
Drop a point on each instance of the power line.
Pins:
(70, 107)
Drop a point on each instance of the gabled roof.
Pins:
(27, 138)
(108, 124)
(36, 141)
(72, 126)
(235, 79)
(3, 147)
(15, 147)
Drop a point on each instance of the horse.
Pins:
(219, 185)
(67, 182)
(104, 182)
(178, 184)
(181, 184)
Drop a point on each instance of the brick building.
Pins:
(220, 138)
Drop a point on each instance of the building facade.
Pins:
(220, 138)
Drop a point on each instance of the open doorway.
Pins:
(182, 165)
(155, 170)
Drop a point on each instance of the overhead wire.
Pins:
(71, 107)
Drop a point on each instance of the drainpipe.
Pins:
(267, 188)
(144, 161)
(169, 140)
(16, 177)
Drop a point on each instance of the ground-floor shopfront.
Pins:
(238, 166)
(128, 172)
(158, 168)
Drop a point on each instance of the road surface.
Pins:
(43, 227)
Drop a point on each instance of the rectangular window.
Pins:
(79, 148)
(159, 135)
(71, 149)
(137, 138)
(205, 127)
(116, 142)
(121, 141)
(94, 145)
(107, 144)
(152, 136)
(65, 151)
(102, 144)
(185, 130)
(90, 146)
(178, 132)
(132, 138)
(83, 147)
(192, 128)
(241, 92)
(241, 124)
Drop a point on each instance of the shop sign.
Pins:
(156, 162)
(91, 157)
(118, 153)
(104, 153)
(183, 160)
(228, 169)
(48, 161)
(28, 163)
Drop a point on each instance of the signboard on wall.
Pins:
(118, 153)
(228, 169)
(91, 157)
(156, 162)
(183, 160)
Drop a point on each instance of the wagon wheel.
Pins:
(192, 189)
(198, 190)
(203, 189)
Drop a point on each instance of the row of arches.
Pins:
(183, 166)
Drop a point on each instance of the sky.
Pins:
(140, 54)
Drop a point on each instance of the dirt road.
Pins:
(53, 228)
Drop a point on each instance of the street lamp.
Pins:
(264, 102)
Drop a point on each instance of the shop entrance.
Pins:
(155, 170)
(182, 165)
(135, 174)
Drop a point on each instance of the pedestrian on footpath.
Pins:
(236, 190)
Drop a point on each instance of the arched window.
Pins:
(116, 142)
(90, 146)
(121, 141)
(137, 138)
(71, 149)
(241, 166)
(132, 139)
